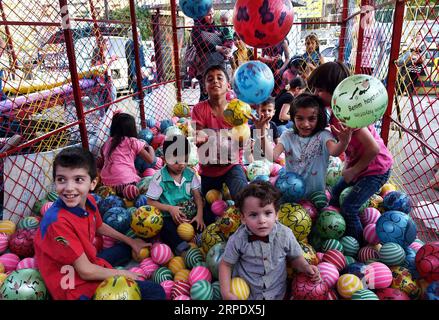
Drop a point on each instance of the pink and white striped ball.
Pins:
(367, 253)
(158, 164)
(370, 234)
(180, 288)
(218, 207)
(27, 263)
(167, 286)
(320, 256)
(45, 207)
(336, 258)
(138, 270)
(199, 273)
(182, 297)
(377, 276)
(309, 208)
(131, 192)
(149, 172)
(414, 245)
(9, 261)
(4, 240)
(369, 216)
(328, 273)
(108, 242)
(332, 294)
(161, 253)
(148, 266)
(275, 168)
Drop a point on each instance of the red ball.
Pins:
(336, 258)
(427, 261)
(303, 288)
(181, 287)
(158, 140)
(262, 23)
(131, 192)
(22, 243)
(391, 294)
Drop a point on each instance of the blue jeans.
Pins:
(362, 190)
(235, 180)
(120, 254)
(169, 235)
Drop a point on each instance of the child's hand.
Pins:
(132, 275)
(261, 122)
(177, 215)
(229, 296)
(138, 244)
(313, 272)
(349, 174)
(344, 134)
(200, 222)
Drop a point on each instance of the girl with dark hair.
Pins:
(308, 146)
(120, 151)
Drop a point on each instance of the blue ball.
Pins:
(165, 124)
(141, 165)
(110, 202)
(396, 226)
(146, 134)
(292, 186)
(410, 263)
(118, 218)
(397, 201)
(432, 291)
(253, 82)
(142, 200)
(356, 268)
(195, 9)
(150, 122)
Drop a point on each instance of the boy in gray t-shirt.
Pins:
(257, 252)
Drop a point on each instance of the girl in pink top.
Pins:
(368, 161)
(120, 151)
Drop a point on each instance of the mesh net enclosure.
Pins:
(67, 66)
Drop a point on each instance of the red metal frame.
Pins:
(175, 46)
(342, 40)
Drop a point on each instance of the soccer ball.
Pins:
(147, 221)
(236, 112)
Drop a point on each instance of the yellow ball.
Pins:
(182, 274)
(117, 288)
(387, 187)
(2, 268)
(402, 280)
(210, 237)
(176, 264)
(348, 284)
(296, 218)
(213, 195)
(240, 133)
(147, 221)
(144, 253)
(181, 110)
(186, 231)
(3, 276)
(309, 253)
(230, 221)
(237, 112)
(240, 288)
(7, 226)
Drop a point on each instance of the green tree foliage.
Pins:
(143, 17)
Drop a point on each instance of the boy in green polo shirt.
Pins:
(172, 185)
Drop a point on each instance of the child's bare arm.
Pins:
(199, 217)
(135, 244)
(285, 112)
(301, 265)
(225, 277)
(148, 154)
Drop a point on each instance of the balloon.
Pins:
(195, 9)
(359, 100)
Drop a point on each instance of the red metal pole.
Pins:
(137, 60)
(68, 36)
(360, 38)
(10, 44)
(176, 51)
(161, 76)
(391, 76)
(342, 38)
(97, 32)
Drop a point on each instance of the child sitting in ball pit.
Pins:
(64, 248)
(259, 248)
(368, 161)
(120, 151)
(174, 184)
(308, 145)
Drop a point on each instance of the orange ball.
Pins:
(386, 188)
(182, 274)
(2, 268)
(213, 195)
(144, 253)
(186, 231)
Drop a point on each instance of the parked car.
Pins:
(330, 54)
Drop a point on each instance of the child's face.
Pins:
(73, 185)
(260, 220)
(177, 165)
(297, 91)
(305, 121)
(224, 20)
(311, 45)
(216, 83)
(266, 110)
(324, 95)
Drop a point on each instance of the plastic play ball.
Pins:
(162, 274)
(176, 264)
(349, 260)
(28, 223)
(364, 294)
(192, 257)
(309, 253)
(253, 82)
(303, 288)
(211, 236)
(186, 231)
(195, 9)
(45, 207)
(117, 288)
(213, 258)
(332, 244)
(181, 287)
(350, 245)
(149, 267)
(432, 291)
(262, 23)
(319, 199)
(131, 192)
(104, 192)
(416, 245)
(189, 208)
(182, 274)
(331, 225)
(109, 202)
(332, 175)
(402, 280)
(118, 218)
(356, 268)
(391, 294)
(367, 253)
(295, 218)
(146, 135)
(22, 243)
(336, 258)
(147, 221)
(213, 195)
(377, 276)
(329, 273)
(386, 188)
(427, 261)
(370, 235)
(144, 253)
(240, 288)
(199, 273)
(397, 201)
(7, 226)
(161, 253)
(396, 226)
(9, 261)
(237, 112)
(201, 290)
(359, 100)
(218, 207)
(258, 168)
(369, 215)
(392, 254)
(292, 187)
(181, 110)
(348, 284)
(240, 133)
(167, 286)
(24, 284)
(4, 241)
